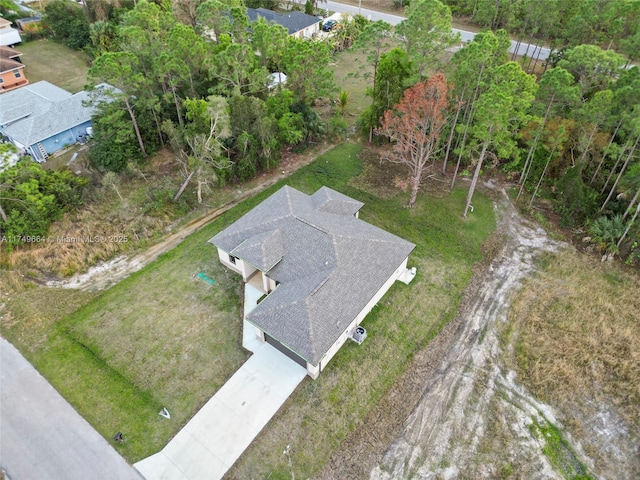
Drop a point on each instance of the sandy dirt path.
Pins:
(109, 273)
(456, 412)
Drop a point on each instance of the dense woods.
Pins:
(195, 77)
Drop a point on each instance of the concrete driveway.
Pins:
(216, 436)
(41, 436)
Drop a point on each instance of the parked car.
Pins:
(329, 25)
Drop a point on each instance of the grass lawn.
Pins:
(164, 338)
(55, 63)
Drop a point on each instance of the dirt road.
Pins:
(457, 413)
(109, 273)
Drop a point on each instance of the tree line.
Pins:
(569, 134)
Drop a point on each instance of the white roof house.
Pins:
(9, 36)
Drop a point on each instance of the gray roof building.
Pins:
(292, 21)
(328, 265)
(41, 110)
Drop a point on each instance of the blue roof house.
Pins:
(41, 118)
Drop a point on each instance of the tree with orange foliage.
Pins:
(414, 126)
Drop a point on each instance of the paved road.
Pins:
(465, 36)
(41, 436)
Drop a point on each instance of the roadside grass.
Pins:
(321, 413)
(164, 338)
(55, 63)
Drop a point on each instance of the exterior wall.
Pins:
(10, 81)
(66, 138)
(240, 267)
(363, 313)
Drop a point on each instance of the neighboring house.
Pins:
(298, 24)
(321, 267)
(41, 118)
(11, 70)
(30, 24)
(8, 36)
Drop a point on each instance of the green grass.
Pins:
(558, 450)
(164, 338)
(55, 63)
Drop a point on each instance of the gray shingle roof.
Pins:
(329, 265)
(292, 21)
(40, 110)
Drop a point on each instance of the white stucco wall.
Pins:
(240, 267)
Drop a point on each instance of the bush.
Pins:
(33, 198)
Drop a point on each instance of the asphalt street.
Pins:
(465, 36)
(42, 437)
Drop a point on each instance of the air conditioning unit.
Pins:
(358, 335)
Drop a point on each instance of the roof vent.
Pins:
(358, 335)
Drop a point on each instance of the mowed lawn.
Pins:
(165, 338)
(55, 63)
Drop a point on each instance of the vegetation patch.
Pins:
(558, 450)
(163, 338)
(574, 327)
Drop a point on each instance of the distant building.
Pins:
(9, 36)
(11, 70)
(297, 24)
(41, 118)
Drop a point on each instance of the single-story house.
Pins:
(11, 69)
(41, 118)
(298, 24)
(9, 36)
(321, 268)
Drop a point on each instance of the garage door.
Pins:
(292, 355)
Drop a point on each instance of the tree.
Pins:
(426, 33)
(307, 67)
(499, 113)
(119, 69)
(593, 68)
(31, 198)
(392, 73)
(67, 23)
(556, 91)
(414, 126)
(205, 137)
(473, 70)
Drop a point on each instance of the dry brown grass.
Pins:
(578, 334)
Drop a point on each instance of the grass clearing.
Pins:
(353, 74)
(47, 60)
(164, 338)
(406, 319)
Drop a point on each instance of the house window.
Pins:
(232, 259)
(17, 73)
(1, 80)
